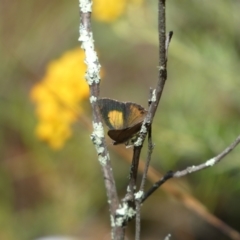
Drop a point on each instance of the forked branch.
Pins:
(209, 163)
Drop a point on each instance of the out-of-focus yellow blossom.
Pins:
(58, 96)
(110, 10)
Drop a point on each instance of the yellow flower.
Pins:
(110, 10)
(58, 97)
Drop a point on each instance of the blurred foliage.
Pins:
(46, 192)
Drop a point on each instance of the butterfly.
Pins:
(124, 119)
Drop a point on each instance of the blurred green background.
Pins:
(45, 192)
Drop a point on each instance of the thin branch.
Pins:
(134, 170)
(93, 78)
(209, 163)
(156, 95)
(139, 195)
(162, 74)
(156, 185)
(150, 149)
(144, 177)
(129, 200)
(138, 220)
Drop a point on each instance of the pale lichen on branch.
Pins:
(93, 79)
(93, 67)
(85, 6)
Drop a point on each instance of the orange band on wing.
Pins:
(116, 119)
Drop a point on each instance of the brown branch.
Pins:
(138, 196)
(162, 74)
(209, 163)
(93, 78)
(156, 96)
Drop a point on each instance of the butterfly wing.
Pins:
(135, 114)
(122, 136)
(113, 112)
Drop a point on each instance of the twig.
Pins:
(139, 194)
(157, 185)
(162, 74)
(209, 163)
(144, 177)
(134, 170)
(156, 95)
(150, 149)
(93, 78)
